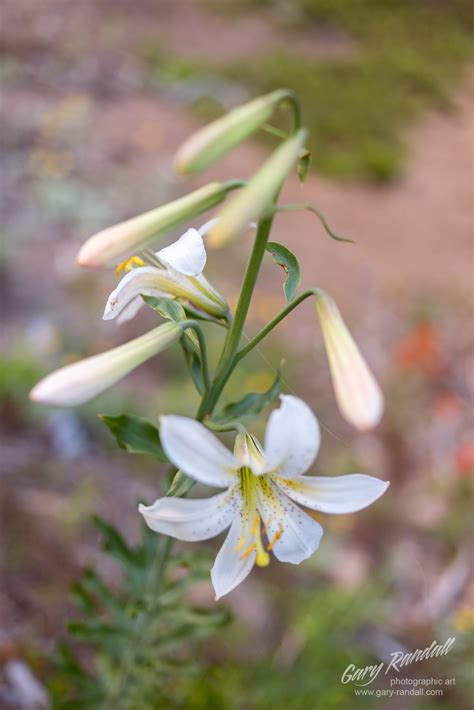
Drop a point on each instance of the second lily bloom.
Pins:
(173, 272)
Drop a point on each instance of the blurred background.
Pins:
(96, 98)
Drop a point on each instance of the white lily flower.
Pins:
(263, 488)
(180, 276)
(83, 380)
(357, 393)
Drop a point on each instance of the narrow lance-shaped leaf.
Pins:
(251, 404)
(288, 261)
(135, 434)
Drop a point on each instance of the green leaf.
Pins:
(289, 263)
(251, 404)
(171, 310)
(168, 308)
(180, 485)
(136, 435)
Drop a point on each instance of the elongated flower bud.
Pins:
(358, 395)
(251, 203)
(113, 244)
(83, 380)
(207, 145)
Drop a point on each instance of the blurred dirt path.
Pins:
(414, 234)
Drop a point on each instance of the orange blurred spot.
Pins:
(464, 458)
(447, 406)
(420, 349)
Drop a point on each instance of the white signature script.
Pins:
(398, 660)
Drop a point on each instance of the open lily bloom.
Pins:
(263, 490)
(176, 273)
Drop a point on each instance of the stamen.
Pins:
(276, 536)
(248, 551)
(255, 525)
(267, 524)
(128, 265)
(240, 544)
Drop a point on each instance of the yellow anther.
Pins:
(240, 544)
(128, 265)
(255, 525)
(248, 551)
(275, 538)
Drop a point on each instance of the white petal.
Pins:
(334, 494)
(292, 438)
(231, 567)
(130, 310)
(191, 519)
(203, 229)
(187, 255)
(293, 535)
(200, 454)
(146, 280)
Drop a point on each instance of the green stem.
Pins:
(228, 361)
(276, 320)
(292, 99)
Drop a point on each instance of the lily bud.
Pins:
(358, 395)
(252, 202)
(115, 243)
(207, 145)
(83, 380)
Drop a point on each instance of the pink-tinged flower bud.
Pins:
(83, 380)
(208, 144)
(358, 395)
(257, 196)
(111, 245)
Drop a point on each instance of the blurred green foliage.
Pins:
(402, 57)
(138, 639)
(303, 673)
